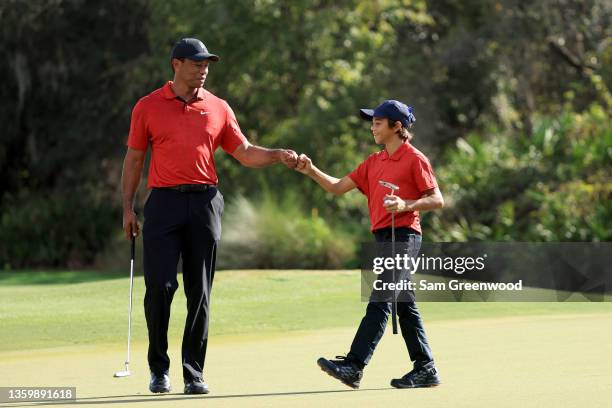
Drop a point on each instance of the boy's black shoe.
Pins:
(426, 376)
(342, 369)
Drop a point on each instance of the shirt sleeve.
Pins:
(232, 135)
(423, 174)
(138, 137)
(360, 177)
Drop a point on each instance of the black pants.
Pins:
(374, 322)
(188, 225)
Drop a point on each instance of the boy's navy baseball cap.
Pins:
(193, 49)
(392, 110)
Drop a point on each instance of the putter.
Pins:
(126, 372)
(393, 189)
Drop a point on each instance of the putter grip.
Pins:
(394, 317)
(133, 251)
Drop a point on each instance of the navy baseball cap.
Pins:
(392, 110)
(193, 49)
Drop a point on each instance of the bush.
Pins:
(55, 229)
(554, 186)
(273, 234)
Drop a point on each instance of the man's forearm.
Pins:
(130, 180)
(257, 156)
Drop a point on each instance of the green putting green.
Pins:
(268, 329)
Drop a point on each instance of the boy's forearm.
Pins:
(327, 182)
(428, 203)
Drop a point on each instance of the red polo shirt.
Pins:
(183, 136)
(408, 169)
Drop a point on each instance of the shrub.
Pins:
(55, 229)
(275, 234)
(554, 186)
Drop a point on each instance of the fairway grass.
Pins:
(268, 329)
(527, 361)
(88, 308)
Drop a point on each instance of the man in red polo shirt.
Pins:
(401, 164)
(183, 124)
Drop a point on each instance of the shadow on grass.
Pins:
(137, 398)
(50, 277)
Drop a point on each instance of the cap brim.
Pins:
(366, 114)
(204, 56)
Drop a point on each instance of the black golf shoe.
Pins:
(342, 369)
(426, 376)
(159, 383)
(196, 386)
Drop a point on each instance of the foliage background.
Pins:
(512, 101)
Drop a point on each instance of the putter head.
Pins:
(124, 373)
(392, 186)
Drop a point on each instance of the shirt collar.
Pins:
(168, 93)
(200, 94)
(396, 154)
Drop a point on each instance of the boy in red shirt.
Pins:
(402, 164)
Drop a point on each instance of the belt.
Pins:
(188, 188)
(397, 229)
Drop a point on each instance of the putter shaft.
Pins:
(129, 336)
(393, 189)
